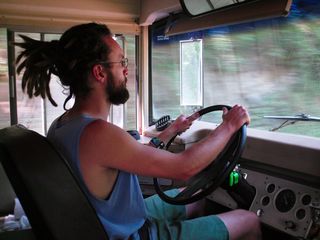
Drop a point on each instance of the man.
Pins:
(106, 158)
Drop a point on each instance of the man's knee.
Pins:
(251, 219)
(250, 224)
(250, 216)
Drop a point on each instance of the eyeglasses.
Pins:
(124, 62)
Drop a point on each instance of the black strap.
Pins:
(144, 231)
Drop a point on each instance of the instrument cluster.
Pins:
(282, 204)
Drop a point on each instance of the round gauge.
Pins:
(271, 187)
(306, 199)
(301, 213)
(265, 200)
(285, 200)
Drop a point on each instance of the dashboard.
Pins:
(282, 204)
(284, 171)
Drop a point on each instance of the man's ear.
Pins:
(99, 73)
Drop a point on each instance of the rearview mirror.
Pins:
(200, 7)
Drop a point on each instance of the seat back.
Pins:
(7, 194)
(48, 190)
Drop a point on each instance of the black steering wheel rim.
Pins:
(210, 178)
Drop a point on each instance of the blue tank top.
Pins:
(124, 212)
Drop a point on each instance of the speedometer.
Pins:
(285, 200)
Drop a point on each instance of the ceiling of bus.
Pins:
(60, 14)
(123, 16)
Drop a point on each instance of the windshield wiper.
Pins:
(293, 119)
(298, 117)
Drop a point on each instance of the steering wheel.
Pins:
(210, 178)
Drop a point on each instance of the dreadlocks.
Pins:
(70, 58)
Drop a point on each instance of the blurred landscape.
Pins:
(271, 67)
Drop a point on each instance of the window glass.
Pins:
(191, 73)
(38, 114)
(125, 115)
(4, 81)
(29, 110)
(130, 117)
(59, 94)
(270, 66)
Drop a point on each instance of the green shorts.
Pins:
(171, 223)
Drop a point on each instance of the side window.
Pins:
(125, 115)
(29, 110)
(4, 81)
(38, 114)
(58, 93)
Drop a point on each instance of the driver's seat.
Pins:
(49, 192)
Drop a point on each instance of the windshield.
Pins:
(270, 66)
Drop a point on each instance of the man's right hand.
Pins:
(236, 117)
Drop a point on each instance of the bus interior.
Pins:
(185, 56)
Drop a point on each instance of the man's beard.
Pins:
(117, 94)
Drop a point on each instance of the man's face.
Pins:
(116, 89)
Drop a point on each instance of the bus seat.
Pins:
(7, 194)
(49, 192)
